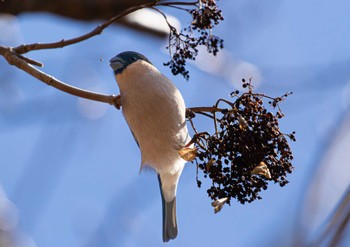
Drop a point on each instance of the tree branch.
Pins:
(81, 9)
(210, 109)
(12, 58)
(62, 43)
(177, 3)
(17, 60)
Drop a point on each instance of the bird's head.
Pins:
(124, 59)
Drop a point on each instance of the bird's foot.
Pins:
(117, 102)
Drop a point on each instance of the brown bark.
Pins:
(79, 9)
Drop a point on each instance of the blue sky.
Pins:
(70, 166)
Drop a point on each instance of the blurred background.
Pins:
(69, 167)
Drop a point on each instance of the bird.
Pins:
(154, 110)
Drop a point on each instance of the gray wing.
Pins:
(137, 142)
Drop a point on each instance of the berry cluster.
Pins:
(183, 45)
(247, 149)
(206, 16)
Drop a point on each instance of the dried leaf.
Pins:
(188, 154)
(262, 169)
(209, 164)
(218, 204)
(242, 123)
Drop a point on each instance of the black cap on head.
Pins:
(122, 60)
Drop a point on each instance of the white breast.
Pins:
(155, 112)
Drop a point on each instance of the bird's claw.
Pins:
(117, 102)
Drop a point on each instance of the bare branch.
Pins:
(13, 59)
(211, 109)
(62, 43)
(22, 63)
(30, 61)
(336, 223)
(164, 16)
(177, 3)
(98, 30)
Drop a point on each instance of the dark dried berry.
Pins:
(183, 46)
(246, 141)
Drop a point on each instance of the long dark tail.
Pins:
(169, 216)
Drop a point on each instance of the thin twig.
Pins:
(98, 30)
(197, 137)
(211, 109)
(192, 125)
(215, 124)
(179, 8)
(30, 61)
(62, 43)
(206, 114)
(342, 209)
(177, 3)
(225, 101)
(171, 27)
(196, 170)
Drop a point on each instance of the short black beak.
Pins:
(117, 64)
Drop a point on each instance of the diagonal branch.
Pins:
(13, 59)
(96, 31)
(62, 43)
(169, 3)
